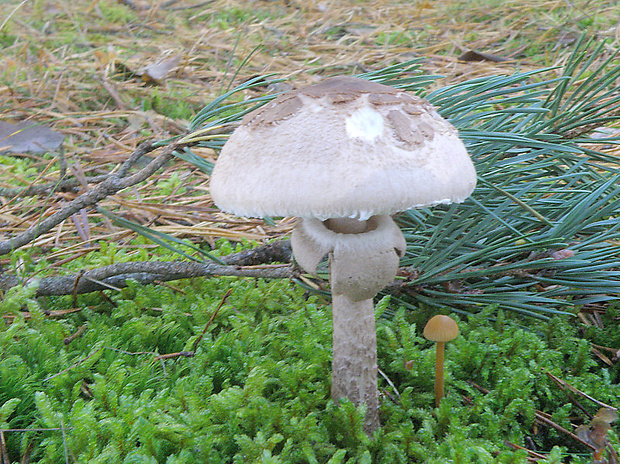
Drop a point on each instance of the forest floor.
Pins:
(108, 77)
(110, 74)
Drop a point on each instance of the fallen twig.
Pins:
(4, 454)
(116, 276)
(542, 419)
(75, 335)
(217, 310)
(114, 183)
(278, 251)
(44, 189)
(189, 354)
(545, 419)
(532, 455)
(72, 366)
(566, 386)
(178, 354)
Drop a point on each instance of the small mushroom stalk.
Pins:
(363, 258)
(440, 329)
(439, 376)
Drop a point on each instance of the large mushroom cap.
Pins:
(345, 147)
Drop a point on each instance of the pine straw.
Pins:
(68, 68)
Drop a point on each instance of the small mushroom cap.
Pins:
(345, 147)
(441, 329)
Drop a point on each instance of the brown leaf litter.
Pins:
(93, 89)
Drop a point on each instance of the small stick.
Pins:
(542, 419)
(73, 365)
(614, 351)
(178, 354)
(391, 384)
(5, 454)
(64, 441)
(78, 277)
(478, 387)
(189, 354)
(564, 385)
(533, 454)
(558, 382)
(75, 335)
(217, 310)
(115, 276)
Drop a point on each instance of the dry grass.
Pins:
(71, 65)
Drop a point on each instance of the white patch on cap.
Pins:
(365, 123)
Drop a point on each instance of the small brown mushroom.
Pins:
(440, 329)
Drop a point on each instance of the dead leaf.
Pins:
(105, 58)
(595, 433)
(473, 55)
(28, 137)
(606, 415)
(564, 253)
(155, 73)
(602, 357)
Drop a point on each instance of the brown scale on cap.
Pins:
(414, 110)
(335, 85)
(342, 97)
(379, 99)
(427, 130)
(278, 110)
(344, 90)
(403, 129)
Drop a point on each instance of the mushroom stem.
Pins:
(360, 265)
(354, 364)
(439, 379)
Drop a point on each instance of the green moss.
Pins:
(116, 13)
(225, 18)
(257, 388)
(171, 103)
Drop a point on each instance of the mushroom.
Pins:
(342, 156)
(440, 329)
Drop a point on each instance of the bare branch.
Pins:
(116, 276)
(70, 184)
(113, 184)
(62, 185)
(279, 251)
